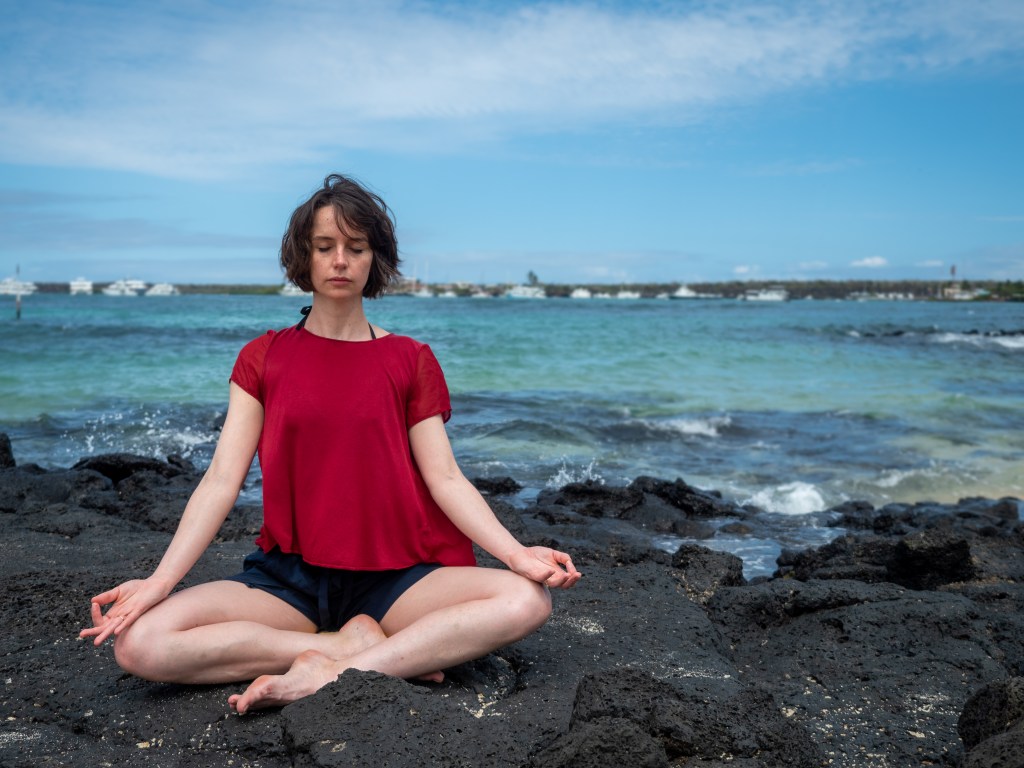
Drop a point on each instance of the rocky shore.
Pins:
(900, 643)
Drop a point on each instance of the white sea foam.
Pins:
(567, 474)
(149, 434)
(978, 340)
(708, 427)
(789, 499)
(891, 478)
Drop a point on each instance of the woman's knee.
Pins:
(139, 649)
(529, 606)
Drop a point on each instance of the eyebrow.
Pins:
(351, 240)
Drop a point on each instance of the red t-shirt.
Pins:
(340, 485)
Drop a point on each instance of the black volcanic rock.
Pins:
(992, 725)
(903, 646)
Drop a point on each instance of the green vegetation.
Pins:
(988, 290)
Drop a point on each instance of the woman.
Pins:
(365, 558)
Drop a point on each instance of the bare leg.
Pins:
(226, 632)
(448, 617)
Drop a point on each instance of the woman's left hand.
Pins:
(545, 566)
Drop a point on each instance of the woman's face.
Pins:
(341, 259)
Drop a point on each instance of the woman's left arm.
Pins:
(465, 507)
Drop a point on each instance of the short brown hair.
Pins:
(358, 209)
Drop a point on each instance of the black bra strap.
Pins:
(305, 314)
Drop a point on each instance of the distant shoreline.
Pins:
(976, 290)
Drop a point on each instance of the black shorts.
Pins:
(328, 597)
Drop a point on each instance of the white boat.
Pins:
(80, 285)
(580, 293)
(423, 293)
(628, 295)
(291, 289)
(766, 294)
(685, 292)
(123, 288)
(12, 286)
(526, 292)
(162, 289)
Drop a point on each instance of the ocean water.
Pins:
(793, 407)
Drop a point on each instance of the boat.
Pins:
(123, 288)
(291, 289)
(162, 289)
(80, 285)
(526, 292)
(628, 295)
(12, 286)
(685, 292)
(580, 293)
(766, 294)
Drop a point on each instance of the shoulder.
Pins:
(403, 345)
(255, 352)
(270, 338)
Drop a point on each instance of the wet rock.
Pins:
(703, 571)
(995, 709)
(989, 517)
(930, 559)
(647, 503)
(119, 466)
(656, 658)
(28, 489)
(692, 501)
(497, 486)
(658, 723)
(922, 560)
(592, 499)
(1003, 751)
(865, 667)
(6, 452)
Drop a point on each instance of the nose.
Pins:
(339, 257)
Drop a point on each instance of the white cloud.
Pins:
(930, 264)
(871, 262)
(743, 270)
(201, 90)
(812, 266)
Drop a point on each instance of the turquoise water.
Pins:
(792, 406)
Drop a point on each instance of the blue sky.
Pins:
(586, 141)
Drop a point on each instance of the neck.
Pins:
(343, 322)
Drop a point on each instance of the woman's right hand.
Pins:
(127, 602)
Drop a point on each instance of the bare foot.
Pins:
(358, 634)
(310, 672)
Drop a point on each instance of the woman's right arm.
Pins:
(204, 514)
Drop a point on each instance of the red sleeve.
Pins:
(248, 370)
(429, 391)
